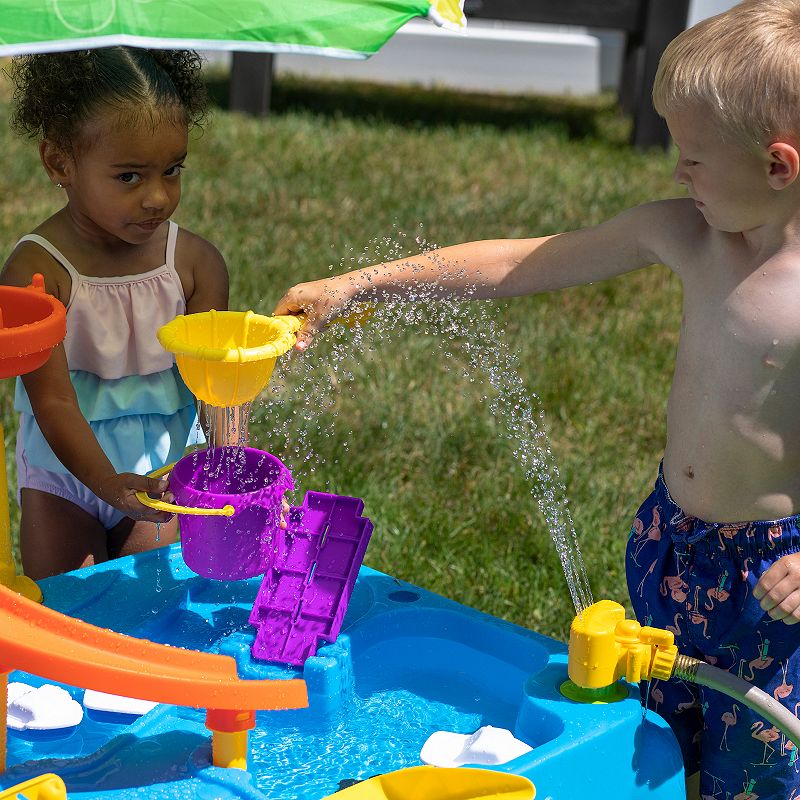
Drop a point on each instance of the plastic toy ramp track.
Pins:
(437, 783)
(57, 647)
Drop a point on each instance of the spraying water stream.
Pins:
(300, 405)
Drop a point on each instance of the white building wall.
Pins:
(492, 57)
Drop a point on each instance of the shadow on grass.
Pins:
(412, 106)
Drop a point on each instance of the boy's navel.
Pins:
(689, 472)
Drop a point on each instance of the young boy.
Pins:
(715, 556)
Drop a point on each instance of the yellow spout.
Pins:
(604, 647)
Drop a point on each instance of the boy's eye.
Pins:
(173, 172)
(129, 177)
(687, 162)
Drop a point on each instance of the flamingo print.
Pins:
(676, 586)
(642, 537)
(783, 689)
(762, 662)
(766, 735)
(773, 532)
(728, 531)
(676, 628)
(716, 789)
(696, 618)
(718, 593)
(642, 581)
(728, 719)
(748, 793)
(658, 697)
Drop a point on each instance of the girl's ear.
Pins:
(57, 163)
(783, 164)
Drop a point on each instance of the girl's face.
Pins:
(125, 179)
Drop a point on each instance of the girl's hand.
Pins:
(120, 491)
(779, 589)
(321, 301)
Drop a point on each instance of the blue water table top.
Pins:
(406, 664)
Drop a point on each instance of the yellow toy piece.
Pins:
(604, 647)
(226, 357)
(438, 783)
(45, 787)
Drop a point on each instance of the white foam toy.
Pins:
(116, 703)
(47, 708)
(488, 746)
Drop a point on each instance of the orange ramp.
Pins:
(51, 645)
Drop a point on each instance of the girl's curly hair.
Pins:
(56, 93)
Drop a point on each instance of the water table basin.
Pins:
(407, 663)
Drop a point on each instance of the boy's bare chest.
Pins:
(754, 321)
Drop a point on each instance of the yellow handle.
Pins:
(160, 505)
(358, 317)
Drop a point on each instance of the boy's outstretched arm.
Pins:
(490, 269)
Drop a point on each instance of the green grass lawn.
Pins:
(342, 175)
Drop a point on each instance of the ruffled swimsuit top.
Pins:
(128, 386)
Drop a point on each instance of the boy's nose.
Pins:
(679, 175)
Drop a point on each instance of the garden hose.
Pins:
(696, 671)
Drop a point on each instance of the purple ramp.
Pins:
(304, 594)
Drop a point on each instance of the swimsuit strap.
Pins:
(172, 238)
(58, 256)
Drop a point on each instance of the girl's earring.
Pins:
(60, 185)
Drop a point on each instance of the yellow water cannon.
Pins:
(604, 647)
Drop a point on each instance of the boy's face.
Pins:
(727, 182)
(126, 178)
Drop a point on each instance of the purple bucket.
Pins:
(253, 482)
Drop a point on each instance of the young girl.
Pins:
(109, 406)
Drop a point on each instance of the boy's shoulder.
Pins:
(671, 230)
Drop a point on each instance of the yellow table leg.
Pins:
(8, 572)
(229, 749)
(229, 731)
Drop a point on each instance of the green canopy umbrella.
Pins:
(344, 28)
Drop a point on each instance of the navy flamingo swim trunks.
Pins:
(697, 579)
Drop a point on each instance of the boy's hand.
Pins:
(320, 301)
(120, 492)
(779, 589)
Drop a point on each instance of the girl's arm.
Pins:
(492, 269)
(55, 407)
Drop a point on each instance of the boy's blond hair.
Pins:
(743, 66)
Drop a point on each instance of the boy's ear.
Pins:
(783, 164)
(57, 163)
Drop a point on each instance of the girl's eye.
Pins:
(129, 177)
(173, 172)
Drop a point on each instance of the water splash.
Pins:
(302, 402)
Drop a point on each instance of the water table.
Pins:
(406, 663)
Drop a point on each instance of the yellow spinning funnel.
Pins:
(227, 357)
